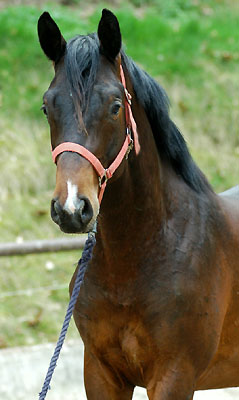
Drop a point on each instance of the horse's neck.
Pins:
(133, 205)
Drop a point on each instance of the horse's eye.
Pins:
(43, 108)
(116, 108)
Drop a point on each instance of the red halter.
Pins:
(129, 143)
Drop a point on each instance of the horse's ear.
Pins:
(109, 35)
(52, 42)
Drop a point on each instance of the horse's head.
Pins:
(85, 107)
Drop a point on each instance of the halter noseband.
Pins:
(129, 143)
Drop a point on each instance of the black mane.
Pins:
(82, 61)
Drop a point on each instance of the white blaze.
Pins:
(71, 201)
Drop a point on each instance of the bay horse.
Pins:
(159, 305)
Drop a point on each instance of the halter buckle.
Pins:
(131, 144)
(103, 179)
(128, 96)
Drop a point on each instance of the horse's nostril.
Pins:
(55, 210)
(85, 210)
(81, 206)
(57, 207)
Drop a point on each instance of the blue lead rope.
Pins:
(86, 256)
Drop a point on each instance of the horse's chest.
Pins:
(117, 337)
(119, 332)
(125, 349)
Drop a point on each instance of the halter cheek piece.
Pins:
(129, 143)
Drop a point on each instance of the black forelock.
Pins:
(82, 61)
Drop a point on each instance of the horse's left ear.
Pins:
(109, 35)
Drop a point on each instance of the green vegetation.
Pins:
(190, 47)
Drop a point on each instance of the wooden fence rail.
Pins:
(42, 246)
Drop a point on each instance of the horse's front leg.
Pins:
(102, 383)
(176, 384)
(172, 392)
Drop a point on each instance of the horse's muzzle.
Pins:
(78, 221)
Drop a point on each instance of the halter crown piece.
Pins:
(129, 143)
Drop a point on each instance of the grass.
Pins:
(36, 315)
(190, 47)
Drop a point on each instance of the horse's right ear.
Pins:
(52, 42)
(109, 35)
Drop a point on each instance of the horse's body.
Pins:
(159, 303)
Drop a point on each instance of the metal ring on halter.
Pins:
(131, 143)
(103, 179)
